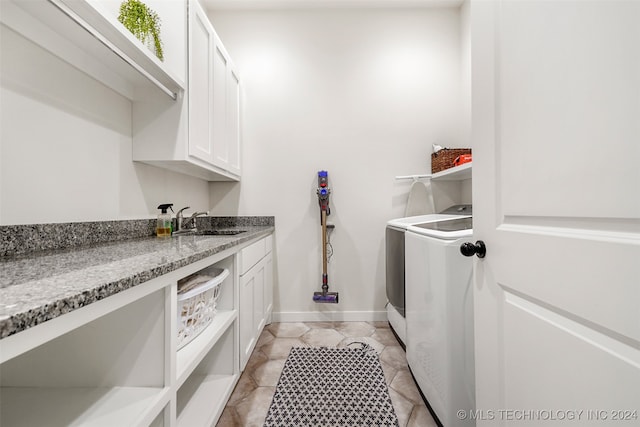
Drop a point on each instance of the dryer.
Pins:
(439, 317)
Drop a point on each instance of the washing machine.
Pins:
(439, 317)
(395, 261)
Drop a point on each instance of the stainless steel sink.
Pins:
(192, 232)
(219, 232)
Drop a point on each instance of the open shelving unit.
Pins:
(205, 391)
(192, 354)
(124, 368)
(456, 173)
(90, 406)
(103, 373)
(207, 368)
(86, 35)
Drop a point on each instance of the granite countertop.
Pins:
(41, 286)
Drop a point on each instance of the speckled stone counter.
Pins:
(41, 285)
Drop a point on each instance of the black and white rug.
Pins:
(331, 387)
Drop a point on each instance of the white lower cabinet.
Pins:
(115, 362)
(256, 294)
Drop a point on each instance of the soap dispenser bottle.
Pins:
(163, 226)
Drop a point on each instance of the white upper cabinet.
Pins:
(214, 97)
(87, 34)
(214, 90)
(186, 108)
(200, 134)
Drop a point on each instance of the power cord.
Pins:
(329, 247)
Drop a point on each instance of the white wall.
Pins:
(362, 94)
(65, 152)
(465, 85)
(465, 67)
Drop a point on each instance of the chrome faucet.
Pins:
(182, 223)
(179, 220)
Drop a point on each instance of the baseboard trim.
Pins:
(329, 316)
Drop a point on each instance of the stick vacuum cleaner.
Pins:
(323, 199)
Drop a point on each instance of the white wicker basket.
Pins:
(197, 298)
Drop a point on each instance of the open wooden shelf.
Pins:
(192, 354)
(203, 391)
(456, 173)
(113, 406)
(81, 33)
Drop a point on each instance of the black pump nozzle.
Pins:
(166, 206)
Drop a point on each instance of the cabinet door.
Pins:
(201, 84)
(219, 93)
(258, 298)
(226, 111)
(247, 335)
(233, 121)
(268, 288)
(252, 307)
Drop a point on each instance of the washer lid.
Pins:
(403, 223)
(445, 229)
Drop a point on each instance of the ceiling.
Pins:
(325, 4)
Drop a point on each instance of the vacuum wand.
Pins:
(323, 200)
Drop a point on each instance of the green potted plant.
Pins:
(143, 23)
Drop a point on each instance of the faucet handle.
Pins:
(195, 214)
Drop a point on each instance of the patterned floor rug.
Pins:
(331, 387)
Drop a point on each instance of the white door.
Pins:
(556, 194)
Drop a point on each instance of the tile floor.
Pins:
(252, 396)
